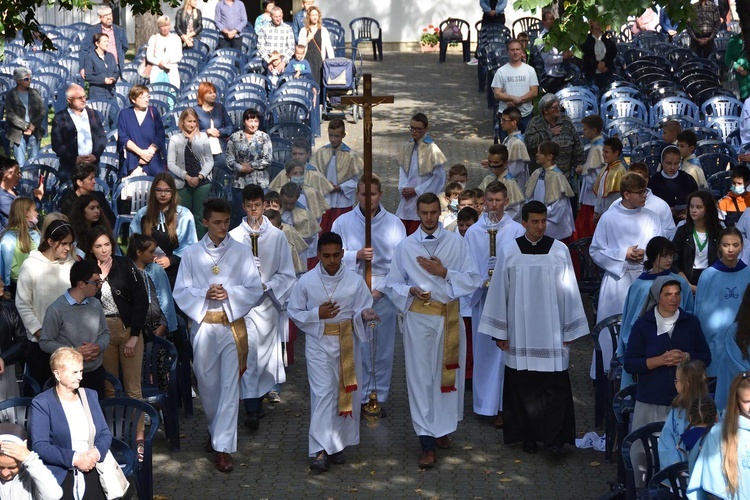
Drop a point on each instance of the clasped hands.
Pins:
(87, 460)
(673, 357)
(89, 351)
(216, 292)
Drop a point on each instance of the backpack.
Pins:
(452, 32)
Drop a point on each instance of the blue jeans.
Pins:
(28, 148)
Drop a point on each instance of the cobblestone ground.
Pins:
(273, 463)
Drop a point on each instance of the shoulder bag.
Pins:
(113, 480)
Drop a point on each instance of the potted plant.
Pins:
(430, 39)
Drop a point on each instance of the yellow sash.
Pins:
(347, 374)
(612, 174)
(239, 331)
(450, 312)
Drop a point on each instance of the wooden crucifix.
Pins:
(367, 101)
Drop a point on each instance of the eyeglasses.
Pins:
(95, 282)
(415, 129)
(163, 191)
(26, 79)
(638, 193)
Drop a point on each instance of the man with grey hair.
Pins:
(79, 122)
(118, 40)
(231, 18)
(276, 36)
(551, 125)
(26, 117)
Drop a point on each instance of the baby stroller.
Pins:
(340, 78)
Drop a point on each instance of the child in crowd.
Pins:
(588, 173)
(702, 417)
(686, 142)
(342, 167)
(497, 163)
(301, 152)
(518, 155)
(301, 219)
(479, 205)
(275, 67)
(670, 131)
(456, 174)
(299, 247)
(466, 198)
(298, 67)
(607, 184)
(549, 185)
(450, 200)
(523, 37)
(737, 199)
(721, 467)
(467, 216)
(272, 201)
(313, 185)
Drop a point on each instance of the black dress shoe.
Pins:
(529, 447)
(252, 422)
(320, 464)
(337, 458)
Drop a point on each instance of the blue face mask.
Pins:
(738, 190)
(454, 205)
(298, 180)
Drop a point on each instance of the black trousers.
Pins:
(234, 43)
(94, 489)
(37, 362)
(94, 380)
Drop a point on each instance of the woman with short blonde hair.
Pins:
(164, 52)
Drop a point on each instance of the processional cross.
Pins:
(367, 101)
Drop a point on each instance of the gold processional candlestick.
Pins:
(254, 243)
(372, 407)
(492, 234)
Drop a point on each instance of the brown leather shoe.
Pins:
(428, 459)
(224, 462)
(499, 422)
(443, 442)
(209, 447)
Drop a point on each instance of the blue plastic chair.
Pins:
(621, 126)
(673, 106)
(714, 146)
(16, 411)
(670, 482)
(465, 40)
(630, 140)
(337, 35)
(362, 31)
(624, 107)
(719, 184)
(282, 150)
(725, 125)
(167, 401)
(646, 149)
(720, 106)
(579, 107)
(287, 111)
(124, 455)
(704, 133)
(291, 131)
(716, 162)
(606, 384)
(648, 436)
(140, 187)
(122, 416)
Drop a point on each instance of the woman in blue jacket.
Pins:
(661, 339)
(59, 427)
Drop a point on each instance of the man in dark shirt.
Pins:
(672, 184)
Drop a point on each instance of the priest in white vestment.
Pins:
(489, 368)
(331, 304)
(265, 361)
(387, 232)
(619, 248)
(536, 312)
(422, 170)
(216, 287)
(431, 270)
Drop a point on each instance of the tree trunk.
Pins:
(145, 26)
(743, 12)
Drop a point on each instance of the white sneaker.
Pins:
(474, 61)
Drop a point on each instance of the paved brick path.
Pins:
(272, 463)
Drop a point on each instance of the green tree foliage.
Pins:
(573, 27)
(19, 15)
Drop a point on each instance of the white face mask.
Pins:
(738, 189)
(33, 221)
(298, 180)
(454, 205)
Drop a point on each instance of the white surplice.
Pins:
(433, 182)
(662, 210)
(433, 412)
(329, 431)
(536, 306)
(387, 232)
(265, 361)
(215, 361)
(489, 368)
(618, 229)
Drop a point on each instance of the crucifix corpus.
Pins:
(367, 101)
